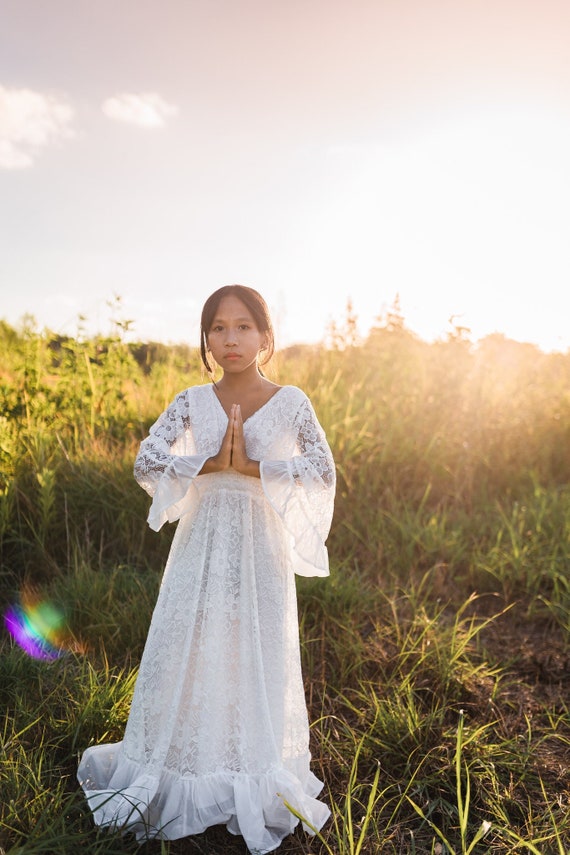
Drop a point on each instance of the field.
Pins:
(436, 656)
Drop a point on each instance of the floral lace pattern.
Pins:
(218, 729)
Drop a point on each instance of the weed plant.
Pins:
(436, 657)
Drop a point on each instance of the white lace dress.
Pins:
(218, 729)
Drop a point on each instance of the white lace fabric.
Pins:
(218, 729)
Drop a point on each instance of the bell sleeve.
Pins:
(166, 474)
(301, 490)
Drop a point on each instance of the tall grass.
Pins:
(436, 657)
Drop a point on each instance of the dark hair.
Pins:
(256, 305)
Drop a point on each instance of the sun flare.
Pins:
(468, 217)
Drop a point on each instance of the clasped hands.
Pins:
(232, 453)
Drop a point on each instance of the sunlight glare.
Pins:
(469, 218)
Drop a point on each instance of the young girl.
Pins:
(218, 729)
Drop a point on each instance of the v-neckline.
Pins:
(255, 412)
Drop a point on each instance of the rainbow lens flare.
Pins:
(37, 627)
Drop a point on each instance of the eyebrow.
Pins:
(238, 320)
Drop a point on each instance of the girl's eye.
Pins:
(217, 328)
(244, 326)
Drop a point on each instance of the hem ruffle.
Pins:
(127, 796)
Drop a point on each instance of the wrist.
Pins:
(211, 465)
(251, 468)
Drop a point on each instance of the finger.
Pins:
(226, 446)
(229, 431)
(233, 418)
(239, 441)
(238, 430)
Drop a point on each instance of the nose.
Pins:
(231, 338)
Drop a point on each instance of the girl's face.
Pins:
(233, 338)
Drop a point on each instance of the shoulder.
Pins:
(296, 400)
(292, 394)
(193, 395)
(186, 401)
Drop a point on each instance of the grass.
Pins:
(436, 657)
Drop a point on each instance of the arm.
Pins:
(157, 451)
(168, 476)
(301, 491)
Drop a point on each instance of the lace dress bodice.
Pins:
(283, 434)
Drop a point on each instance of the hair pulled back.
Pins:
(256, 305)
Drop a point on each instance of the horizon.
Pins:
(125, 330)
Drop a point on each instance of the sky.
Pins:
(319, 151)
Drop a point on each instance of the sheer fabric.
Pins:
(218, 729)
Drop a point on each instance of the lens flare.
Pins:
(37, 627)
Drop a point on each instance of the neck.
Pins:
(248, 378)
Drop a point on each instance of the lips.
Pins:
(232, 356)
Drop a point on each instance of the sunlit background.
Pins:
(317, 150)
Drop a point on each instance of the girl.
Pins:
(218, 729)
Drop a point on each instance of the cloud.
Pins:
(147, 110)
(30, 121)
